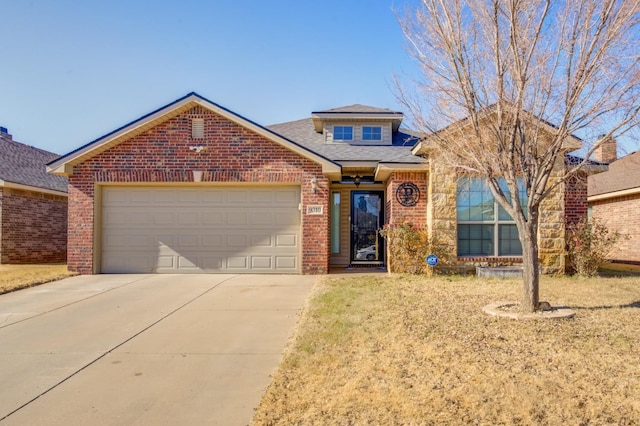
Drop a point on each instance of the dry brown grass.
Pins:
(15, 277)
(413, 350)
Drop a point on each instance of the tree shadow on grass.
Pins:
(595, 308)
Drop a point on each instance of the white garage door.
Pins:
(181, 230)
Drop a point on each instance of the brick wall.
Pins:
(575, 199)
(34, 227)
(232, 154)
(621, 214)
(396, 212)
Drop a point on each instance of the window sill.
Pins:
(490, 259)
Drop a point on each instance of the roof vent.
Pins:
(197, 128)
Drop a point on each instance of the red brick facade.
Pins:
(34, 227)
(575, 199)
(231, 154)
(396, 212)
(160, 149)
(621, 214)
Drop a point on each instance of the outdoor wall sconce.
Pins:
(198, 149)
(197, 175)
(357, 180)
(314, 184)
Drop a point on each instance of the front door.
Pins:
(367, 245)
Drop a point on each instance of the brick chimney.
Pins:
(4, 133)
(607, 152)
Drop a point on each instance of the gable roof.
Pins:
(64, 165)
(24, 167)
(357, 112)
(571, 143)
(357, 109)
(303, 132)
(622, 178)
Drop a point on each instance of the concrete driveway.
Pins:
(144, 349)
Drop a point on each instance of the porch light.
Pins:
(357, 180)
(314, 184)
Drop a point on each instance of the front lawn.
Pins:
(15, 277)
(392, 349)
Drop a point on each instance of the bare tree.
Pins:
(496, 73)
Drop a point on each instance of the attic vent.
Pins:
(197, 128)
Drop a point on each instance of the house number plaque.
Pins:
(408, 194)
(315, 209)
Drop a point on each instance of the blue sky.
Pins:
(75, 70)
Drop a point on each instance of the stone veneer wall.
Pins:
(441, 214)
(551, 232)
(442, 223)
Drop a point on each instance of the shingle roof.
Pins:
(303, 133)
(61, 165)
(622, 174)
(358, 109)
(26, 165)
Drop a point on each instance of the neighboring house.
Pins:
(33, 205)
(194, 187)
(614, 200)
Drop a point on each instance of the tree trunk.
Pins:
(530, 270)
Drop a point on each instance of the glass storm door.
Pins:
(366, 221)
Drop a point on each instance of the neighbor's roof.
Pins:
(27, 165)
(64, 165)
(303, 132)
(622, 177)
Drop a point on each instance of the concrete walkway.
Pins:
(144, 349)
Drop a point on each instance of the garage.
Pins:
(181, 229)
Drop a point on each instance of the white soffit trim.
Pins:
(13, 185)
(384, 170)
(615, 194)
(353, 164)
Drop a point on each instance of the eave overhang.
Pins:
(429, 142)
(65, 164)
(319, 118)
(383, 170)
(14, 185)
(613, 194)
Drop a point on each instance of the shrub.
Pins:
(589, 245)
(408, 246)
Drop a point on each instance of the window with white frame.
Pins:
(484, 227)
(371, 133)
(342, 133)
(335, 222)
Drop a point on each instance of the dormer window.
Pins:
(343, 133)
(371, 133)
